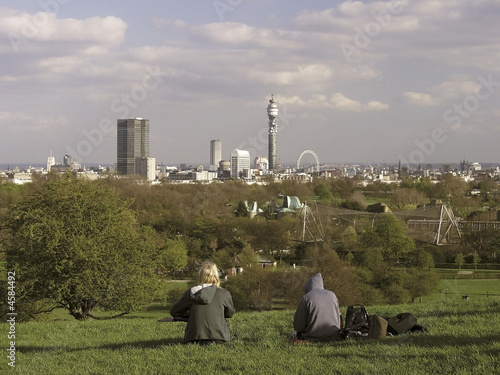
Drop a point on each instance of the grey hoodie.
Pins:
(317, 316)
(207, 308)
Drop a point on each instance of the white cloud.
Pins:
(337, 101)
(20, 29)
(418, 98)
(443, 93)
(341, 102)
(241, 35)
(23, 124)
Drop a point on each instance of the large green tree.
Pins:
(174, 256)
(75, 244)
(389, 234)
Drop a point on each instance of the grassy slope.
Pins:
(463, 338)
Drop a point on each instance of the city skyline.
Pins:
(357, 82)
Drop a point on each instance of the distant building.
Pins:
(272, 115)
(215, 154)
(189, 176)
(68, 160)
(146, 167)
(50, 161)
(132, 145)
(261, 163)
(240, 164)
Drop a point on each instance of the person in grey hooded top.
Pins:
(206, 306)
(317, 316)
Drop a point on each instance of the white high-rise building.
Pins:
(50, 161)
(240, 164)
(215, 154)
(146, 167)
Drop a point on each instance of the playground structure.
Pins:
(435, 223)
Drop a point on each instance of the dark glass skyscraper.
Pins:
(132, 145)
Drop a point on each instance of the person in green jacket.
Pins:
(206, 307)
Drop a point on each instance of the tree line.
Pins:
(109, 244)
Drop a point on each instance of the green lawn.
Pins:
(473, 288)
(463, 338)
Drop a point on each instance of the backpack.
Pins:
(401, 323)
(356, 321)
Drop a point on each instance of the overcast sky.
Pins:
(355, 81)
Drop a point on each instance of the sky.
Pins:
(355, 81)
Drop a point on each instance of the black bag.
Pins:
(356, 319)
(401, 323)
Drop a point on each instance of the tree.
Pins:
(349, 239)
(459, 260)
(241, 210)
(75, 244)
(323, 192)
(420, 282)
(174, 256)
(205, 229)
(248, 257)
(274, 236)
(422, 259)
(404, 197)
(223, 259)
(389, 234)
(475, 259)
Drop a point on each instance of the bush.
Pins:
(396, 294)
(251, 290)
(173, 295)
(371, 295)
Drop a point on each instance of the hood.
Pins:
(314, 282)
(203, 293)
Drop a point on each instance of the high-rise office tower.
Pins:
(132, 145)
(68, 159)
(240, 164)
(215, 154)
(272, 115)
(50, 161)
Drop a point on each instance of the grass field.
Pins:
(463, 338)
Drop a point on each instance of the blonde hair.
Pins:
(209, 274)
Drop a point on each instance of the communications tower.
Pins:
(272, 115)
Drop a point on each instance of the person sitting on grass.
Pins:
(206, 307)
(317, 317)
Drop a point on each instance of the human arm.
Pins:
(181, 308)
(229, 309)
(301, 316)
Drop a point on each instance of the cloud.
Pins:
(336, 101)
(443, 93)
(21, 29)
(341, 102)
(242, 35)
(418, 98)
(23, 124)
